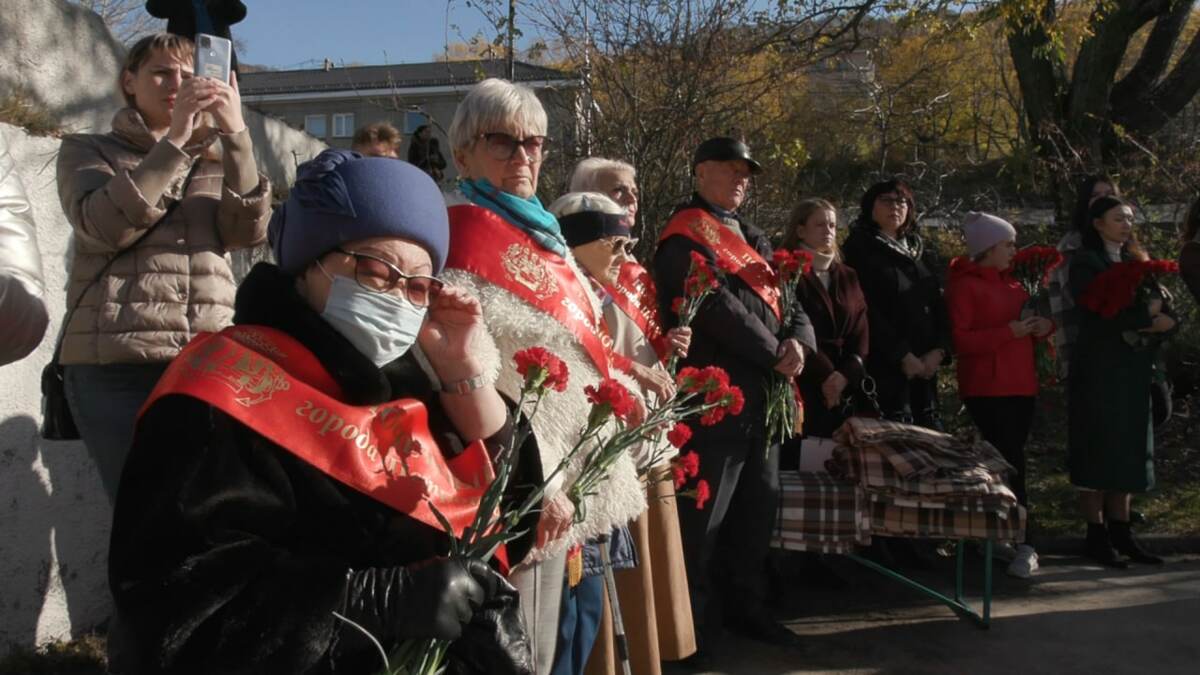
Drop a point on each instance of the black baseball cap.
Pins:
(722, 149)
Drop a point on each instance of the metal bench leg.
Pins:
(957, 604)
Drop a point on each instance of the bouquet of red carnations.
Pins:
(1031, 267)
(1117, 288)
(705, 392)
(702, 280)
(700, 391)
(784, 407)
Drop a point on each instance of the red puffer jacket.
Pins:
(991, 362)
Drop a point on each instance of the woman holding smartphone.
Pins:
(155, 204)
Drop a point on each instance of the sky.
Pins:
(293, 34)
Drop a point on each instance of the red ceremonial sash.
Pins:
(732, 252)
(269, 382)
(487, 246)
(635, 295)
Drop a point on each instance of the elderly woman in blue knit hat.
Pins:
(997, 374)
(278, 499)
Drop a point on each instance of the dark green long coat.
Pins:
(1110, 438)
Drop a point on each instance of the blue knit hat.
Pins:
(341, 196)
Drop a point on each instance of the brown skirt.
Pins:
(655, 606)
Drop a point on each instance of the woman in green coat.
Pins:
(1111, 444)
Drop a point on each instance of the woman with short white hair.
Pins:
(507, 250)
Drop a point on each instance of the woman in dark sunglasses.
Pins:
(509, 251)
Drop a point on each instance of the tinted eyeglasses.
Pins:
(625, 246)
(501, 146)
(380, 276)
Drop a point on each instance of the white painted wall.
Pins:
(54, 516)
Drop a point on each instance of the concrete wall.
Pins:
(54, 516)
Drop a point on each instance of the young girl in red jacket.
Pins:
(997, 377)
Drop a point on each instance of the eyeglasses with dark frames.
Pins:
(892, 200)
(501, 146)
(380, 276)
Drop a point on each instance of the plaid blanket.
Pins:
(1062, 308)
(890, 520)
(876, 474)
(916, 452)
(820, 513)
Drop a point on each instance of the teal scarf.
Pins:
(526, 214)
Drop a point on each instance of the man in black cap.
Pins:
(739, 329)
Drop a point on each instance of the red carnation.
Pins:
(726, 266)
(611, 396)
(678, 476)
(803, 260)
(698, 259)
(690, 463)
(541, 369)
(679, 435)
(712, 417)
(703, 494)
(677, 306)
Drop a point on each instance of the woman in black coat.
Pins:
(910, 329)
(834, 302)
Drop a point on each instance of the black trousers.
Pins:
(1004, 421)
(725, 545)
(912, 401)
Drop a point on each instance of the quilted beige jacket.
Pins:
(177, 280)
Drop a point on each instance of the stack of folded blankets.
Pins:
(896, 479)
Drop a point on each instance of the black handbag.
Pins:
(58, 422)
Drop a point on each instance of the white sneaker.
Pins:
(1025, 564)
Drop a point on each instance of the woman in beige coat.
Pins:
(164, 282)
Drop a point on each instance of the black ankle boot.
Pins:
(1099, 549)
(1122, 540)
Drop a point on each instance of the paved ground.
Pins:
(1073, 618)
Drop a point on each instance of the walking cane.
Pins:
(610, 585)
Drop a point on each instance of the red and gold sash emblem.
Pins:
(634, 294)
(269, 382)
(732, 252)
(533, 274)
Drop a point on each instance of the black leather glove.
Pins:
(430, 599)
(495, 642)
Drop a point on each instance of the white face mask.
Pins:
(380, 325)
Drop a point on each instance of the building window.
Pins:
(315, 125)
(343, 125)
(413, 120)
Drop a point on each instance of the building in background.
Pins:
(330, 103)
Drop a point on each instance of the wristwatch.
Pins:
(464, 386)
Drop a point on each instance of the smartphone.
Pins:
(213, 56)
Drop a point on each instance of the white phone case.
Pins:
(213, 57)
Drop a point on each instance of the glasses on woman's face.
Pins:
(892, 200)
(380, 276)
(501, 146)
(623, 246)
